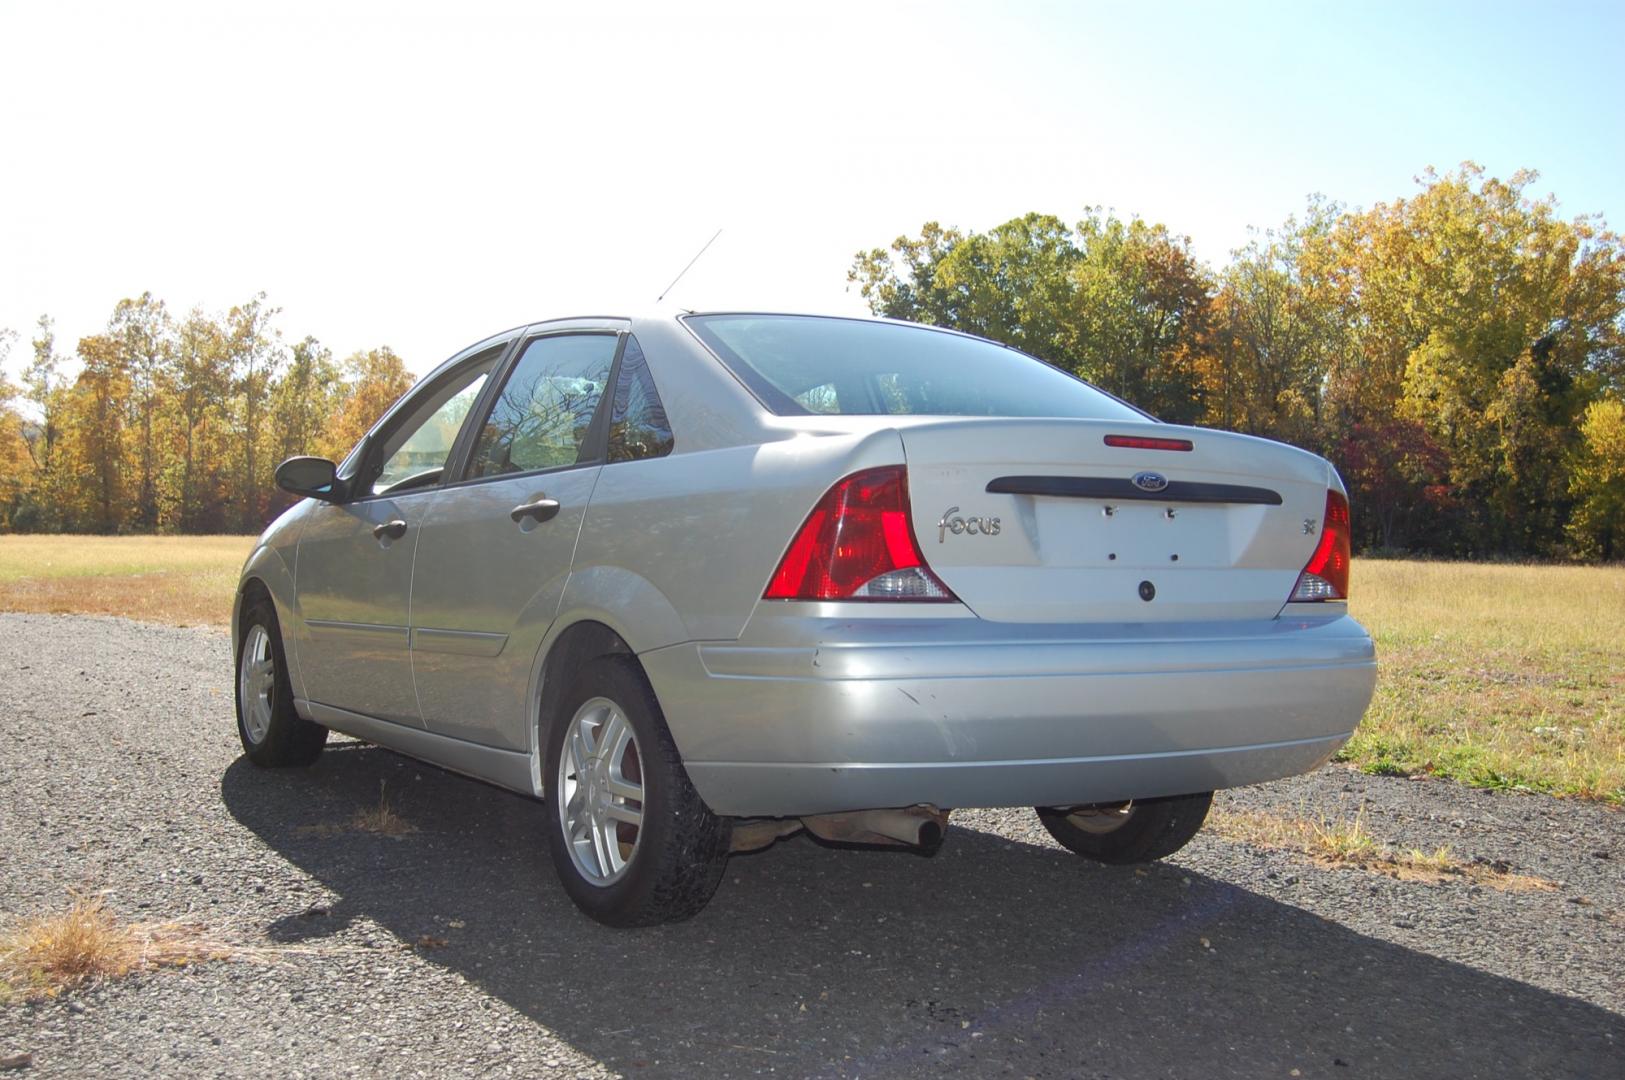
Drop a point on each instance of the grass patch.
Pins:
(185, 580)
(50, 954)
(1497, 676)
(380, 820)
(1346, 843)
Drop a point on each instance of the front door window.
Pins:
(415, 451)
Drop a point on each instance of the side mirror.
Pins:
(313, 477)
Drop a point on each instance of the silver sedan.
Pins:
(701, 581)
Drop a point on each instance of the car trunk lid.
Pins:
(1036, 520)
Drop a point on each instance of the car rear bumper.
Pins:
(812, 713)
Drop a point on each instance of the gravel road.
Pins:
(452, 950)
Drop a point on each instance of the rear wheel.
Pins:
(272, 732)
(632, 842)
(1134, 832)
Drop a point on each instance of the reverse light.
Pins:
(858, 544)
(1143, 442)
(1326, 575)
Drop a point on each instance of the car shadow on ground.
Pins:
(994, 955)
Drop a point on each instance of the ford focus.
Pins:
(701, 581)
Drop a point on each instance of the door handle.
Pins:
(390, 530)
(543, 509)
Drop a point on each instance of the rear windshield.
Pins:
(806, 364)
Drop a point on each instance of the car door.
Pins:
(495, 549)
(353, 570)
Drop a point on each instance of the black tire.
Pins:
(1151, 829)
(673, 859)
(287, 739)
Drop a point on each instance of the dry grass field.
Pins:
(185, 580)
(1495, 675)
(1500, 676)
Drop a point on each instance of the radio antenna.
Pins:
(685, 269)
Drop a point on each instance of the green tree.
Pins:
(1123, 303)
(901, 282)
(1138, 315)
(1013, 283)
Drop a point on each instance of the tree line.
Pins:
(176, 423)
(1458, 354)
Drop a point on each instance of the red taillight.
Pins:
(858, 544)
(1140, 442)
(1326, 575)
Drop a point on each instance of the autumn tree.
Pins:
(166, 424)
(93, 444)
(375, 379)
(254, 348)
(1480, 313)
(1597, 481)
(1274, 332)
(305, 399)
(201, 389)
(38, 492)
(14, 458)
(145, 337)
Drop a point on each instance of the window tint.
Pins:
(804, 364)
(541, 418)
(638, 427)
(415, 452)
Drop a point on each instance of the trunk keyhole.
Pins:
(1147, 591)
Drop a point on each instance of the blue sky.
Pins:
(421, 175)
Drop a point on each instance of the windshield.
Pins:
(801, 364)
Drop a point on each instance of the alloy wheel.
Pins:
(600, 792)
(256, 680)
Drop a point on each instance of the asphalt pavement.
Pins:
(452, 950)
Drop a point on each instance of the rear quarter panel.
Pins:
(705, 530)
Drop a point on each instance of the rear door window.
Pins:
(542, 417)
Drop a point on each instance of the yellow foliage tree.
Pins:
(1597, 481)
(377, 378)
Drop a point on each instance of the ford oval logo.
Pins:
(1149, 481)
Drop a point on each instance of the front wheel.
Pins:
(632, 842)
(272, 731)
(1135, 832)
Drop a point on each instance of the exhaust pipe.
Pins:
(910, 826)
